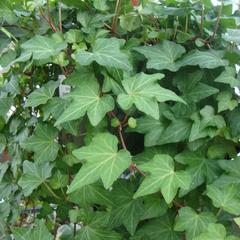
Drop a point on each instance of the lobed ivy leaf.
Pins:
(102, 160)
(86, 98)
(162, 177)
(105, 52)
(144, 91)
(34, 174)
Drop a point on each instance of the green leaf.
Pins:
(193, 223)
(43, 143)
(157, 229)
(128, 211)
(176, 131)
(5, 105)
(214, 231)
(102, 160)
(162, 177)
(228, 77)
(144, 91)
(43, 47)
(199, 167)
(87, 98)
(39, 232)
(225, 101)
(105, 52)
(204, 59)
(34, 174)
(225, 198)
(42, 95)
(100, 5)
(162, 56)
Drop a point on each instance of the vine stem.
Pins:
(218, 21)
(114, 22)
(51, 191)
(60, 15)
(202, 19)
(219, 212)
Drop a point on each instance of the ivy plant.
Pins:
(119, 120)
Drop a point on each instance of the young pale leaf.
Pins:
(144, 91)
(43, 143)
(204, 59)
(191, 222)
(225, 101)
(226, 198)
(102, 160)
(162, 177)
(43, 47)
(87, 98)
(105, 52)
(34, 174)
(228, 77)
(42, 95)
(163, 55)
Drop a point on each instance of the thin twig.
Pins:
(121, 136)
(47, 20)
(218, 21)
(60, 15)
(202, 19)
(114, 22)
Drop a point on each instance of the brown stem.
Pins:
(121, 136)
(60, 15)
(47, 20)
(218, 21)
(114, 22)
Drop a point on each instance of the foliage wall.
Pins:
(119, 120)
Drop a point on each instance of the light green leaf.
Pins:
(225, 101)
(157, 229)
(199, 167)
(105, 52)
(43, 143)
(102, 160)
(34, 174)
(225, 198)
(5, 105)
(205, 59)
(214, 231)
(232, 35)
(162, 177)
(163, 55)
(100, 5)
(193, 223)
(228, 77)
(43, 47)
(87, 98)
(42, 95)
(177, 131)
(144, 91)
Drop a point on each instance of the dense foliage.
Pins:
(119, 120)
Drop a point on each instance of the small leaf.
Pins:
(102, 160)
(163, 55)
(105, 52)
(34, 174)
(225, 101)
(191, 222)
(162, 177)
(42, 95)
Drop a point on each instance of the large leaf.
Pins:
(162, 56)
(87, 98)
(34, 174)
(162, 176)
(199, 167)
(43, 143)
(226, 198)
(144, 91)
(105, 52)
(102, 160)
(42, 95)
(204, 59)
(43, 47)
(193, 223)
